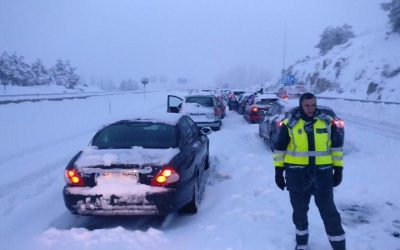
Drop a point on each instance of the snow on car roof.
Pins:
(166, 118)
(266, 96)
(289, 103)
(294, 103)
(201, 94)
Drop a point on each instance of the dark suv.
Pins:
(270, 125)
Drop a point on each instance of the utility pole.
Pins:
(284, 49)
(145, 81)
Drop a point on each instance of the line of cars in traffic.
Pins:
(158, 164)
(252, 105)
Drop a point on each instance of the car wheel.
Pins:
(207, 163)
(219, 126)
(193, 206)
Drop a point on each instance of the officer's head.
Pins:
(308, 103)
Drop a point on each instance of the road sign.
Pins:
(145, 80)
(288, 80)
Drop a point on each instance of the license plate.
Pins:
(133, 176)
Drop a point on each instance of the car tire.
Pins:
(193, 206)
(207, 163)
(219, 126)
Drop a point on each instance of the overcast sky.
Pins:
(194, 39)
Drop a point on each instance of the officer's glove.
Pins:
(337, 176)
(279, 179)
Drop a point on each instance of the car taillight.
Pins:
(338, 123)
(216, 111)
(279, 124)
(254, 109)
(73, 177)
(165, 176)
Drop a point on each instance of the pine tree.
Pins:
(40, 73)
(334, 36)
(394, 14)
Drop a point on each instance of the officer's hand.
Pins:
(279, 179)
(337, 176)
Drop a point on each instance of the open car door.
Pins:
(174, 104)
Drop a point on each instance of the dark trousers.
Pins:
(300, 196)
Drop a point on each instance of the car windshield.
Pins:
(128, 135)
(238, 92)
(206, 101)
(267, 101)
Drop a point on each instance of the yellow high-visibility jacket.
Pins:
(297, 151)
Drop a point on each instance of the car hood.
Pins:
(91, 156)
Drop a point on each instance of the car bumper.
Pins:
(159, 203)
(208, 124)
(204, 121)
(255, 118)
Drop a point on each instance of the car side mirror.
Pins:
(205, 130)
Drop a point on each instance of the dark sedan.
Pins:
(269, 126)
(140, 167)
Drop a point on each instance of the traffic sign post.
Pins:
(145, 81)
(288, 80)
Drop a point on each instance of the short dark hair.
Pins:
(306, 96)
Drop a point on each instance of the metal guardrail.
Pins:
(67, 97)
(357, 100)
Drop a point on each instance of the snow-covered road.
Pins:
(241, 207)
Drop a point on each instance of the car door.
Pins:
(188, 151)
(200, 142)
(174, 104)
(270, 118)
(197, 147)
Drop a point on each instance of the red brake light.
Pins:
(73, 177)
(216, 111)
(338, 123)
(254, 109)
(165, 176)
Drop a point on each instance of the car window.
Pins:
(187, 132)
(206, 101)
(128, 135)
(193, 126)
(273, 109)
(238, 92)
(266, 101)
(328, 112)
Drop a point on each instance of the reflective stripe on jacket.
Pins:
(297, 151)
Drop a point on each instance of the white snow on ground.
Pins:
(241, 207)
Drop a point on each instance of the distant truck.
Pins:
(291, 92)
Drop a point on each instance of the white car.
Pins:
(203, 108)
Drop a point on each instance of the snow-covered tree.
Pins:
(41, 74)
(334, 36)
(64, 74)
(394, 14)
(15, 71)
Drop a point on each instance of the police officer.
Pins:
(309, 150)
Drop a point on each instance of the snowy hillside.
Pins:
(366, 67)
